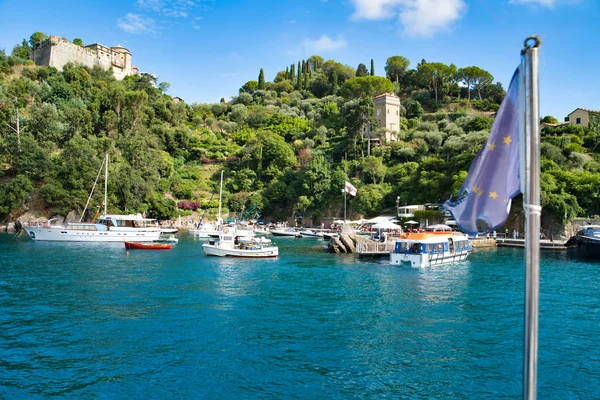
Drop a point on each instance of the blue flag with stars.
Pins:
(483, 201)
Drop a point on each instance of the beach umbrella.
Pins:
(386, 225)
(379, 219)
(411, 222)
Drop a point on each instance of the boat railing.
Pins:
(372, 247)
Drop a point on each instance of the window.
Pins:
(388, 110)
(396, 112)
(378, 112)
(578, 121)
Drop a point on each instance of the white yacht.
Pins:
(107, 228)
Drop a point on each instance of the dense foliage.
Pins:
(287, 146)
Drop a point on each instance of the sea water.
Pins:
(85, 320)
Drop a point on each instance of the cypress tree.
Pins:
(305, 80)
(372, 68)
(299, 69)
(292, 72)
(261, 80)
(287, 72)
(335, 82)
(303, 66)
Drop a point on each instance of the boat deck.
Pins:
(374, 249)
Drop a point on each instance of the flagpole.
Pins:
(345, 191)
(531, 205)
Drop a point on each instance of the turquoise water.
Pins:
(88, 321)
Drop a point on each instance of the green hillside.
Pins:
(286, 146)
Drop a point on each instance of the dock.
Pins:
(544, 244)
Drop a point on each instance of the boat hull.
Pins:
(147, 246)
(265, 252)
(426, 260)
(56, 234)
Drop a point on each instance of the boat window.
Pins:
(438, 248)
(402, 247)
(429, 248)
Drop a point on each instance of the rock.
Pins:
(348, 243)
(73, 216)
(335, 241)
(2, 228)
(10, 228)
(58, 220)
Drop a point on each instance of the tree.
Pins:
(468, 76)
(37, 38)
(78, 42)
(21, 51)
(372, 67)
(368, 86)
(302, 204)
(317, 62)
(437, 76)
(261, 80)
(549, 119)
(362, 70)
(249, 87)
(395, 68)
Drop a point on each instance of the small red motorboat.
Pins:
(147, 246)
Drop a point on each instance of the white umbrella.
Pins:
(411, 222)
(450, 222)
(379, 219)
(386, 225)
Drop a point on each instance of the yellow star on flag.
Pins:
(507, 140)
(492, 146)
(493, 195)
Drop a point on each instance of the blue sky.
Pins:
(207, 49)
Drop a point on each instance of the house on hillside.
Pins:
(387, 111)
(581, 116)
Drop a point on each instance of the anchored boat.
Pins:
(586, 242)
(230, 244)
(435, 246)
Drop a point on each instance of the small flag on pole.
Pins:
(350, 189)
(484, 199)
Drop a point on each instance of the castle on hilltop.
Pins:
(56, 52)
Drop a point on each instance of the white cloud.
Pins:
(134, 23)
(418, 17)
(323, 44)
(547, 3)
(173, 8)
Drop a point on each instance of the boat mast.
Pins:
(220, 198)
(105, 183)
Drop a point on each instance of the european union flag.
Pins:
(483, 202)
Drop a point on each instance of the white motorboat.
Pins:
(432, 247)
(312, 234)
(232, 245)
(289, 232)
(169, 230)
(204, 231)
(107, 228)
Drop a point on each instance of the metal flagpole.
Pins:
(530, 187)
(345, 191)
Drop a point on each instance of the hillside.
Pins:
(286, 146)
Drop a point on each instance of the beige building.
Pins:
(581, 116)
(56, 52)
(387, 111)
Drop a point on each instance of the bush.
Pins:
(188, 205)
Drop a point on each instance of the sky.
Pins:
(207, 49)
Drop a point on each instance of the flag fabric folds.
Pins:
(484, 199)
(350, 189)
